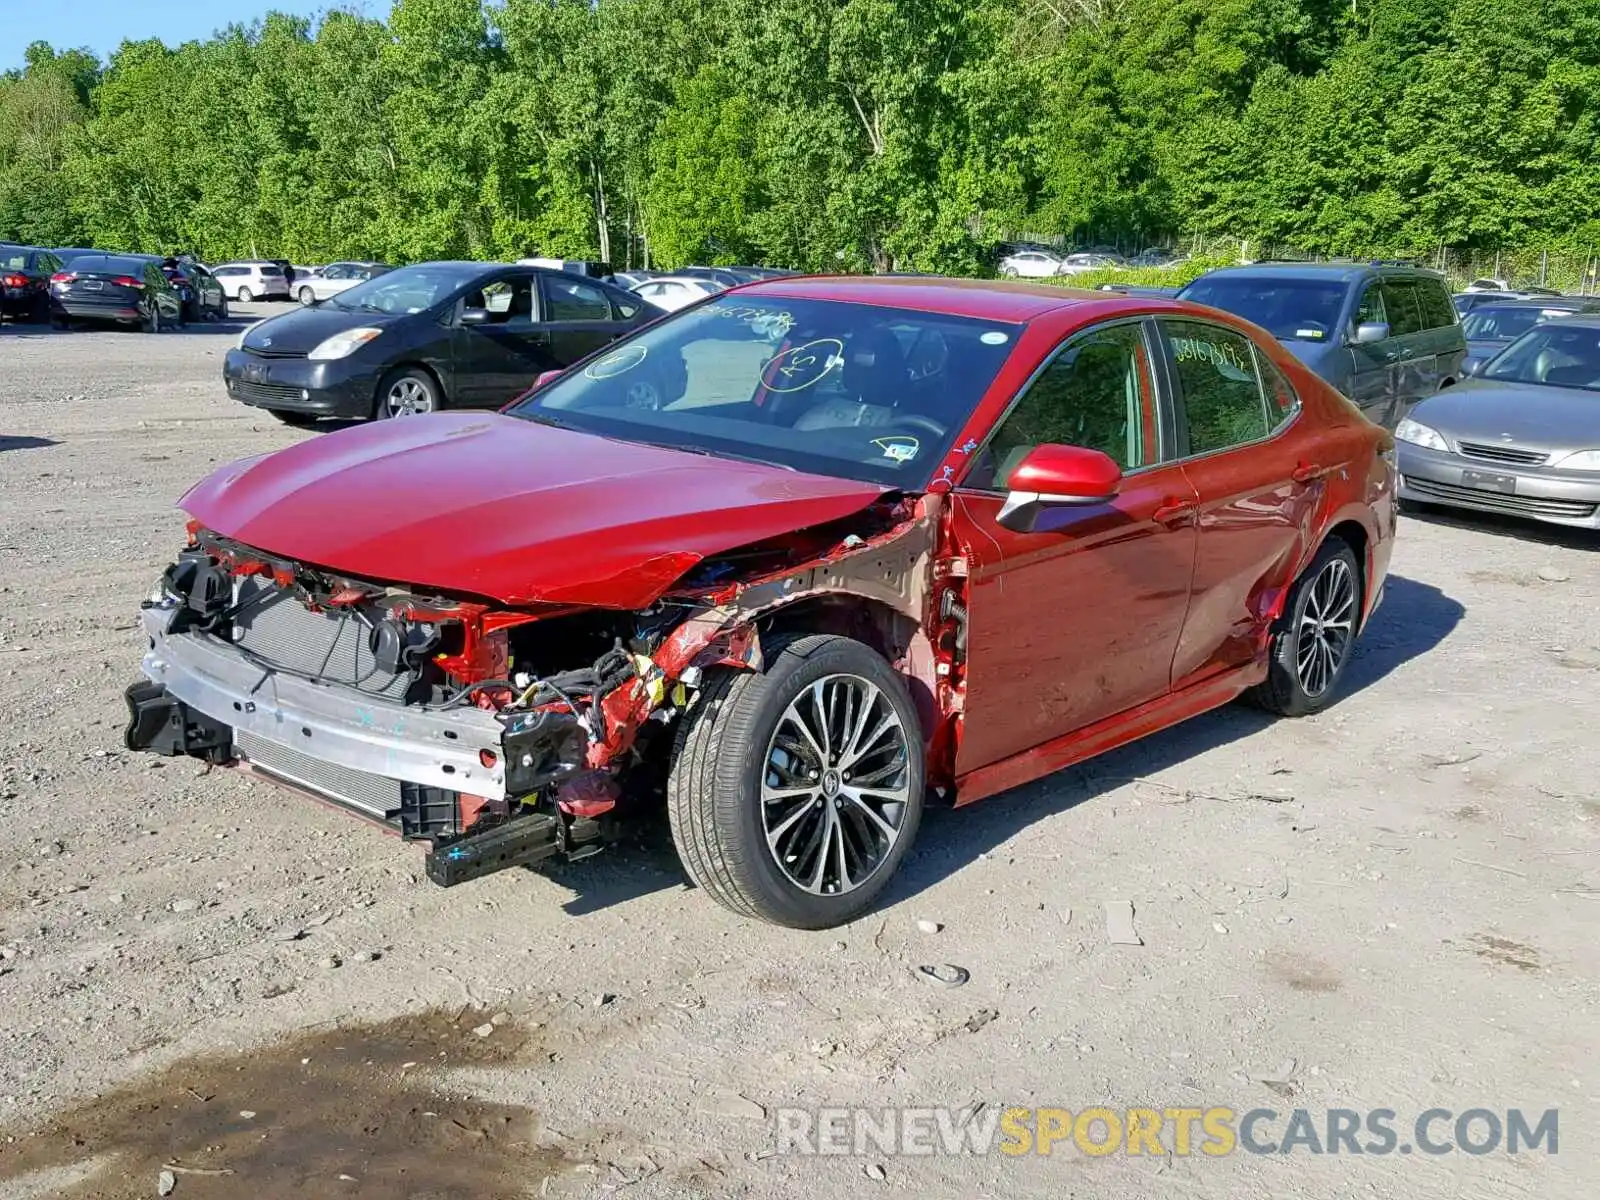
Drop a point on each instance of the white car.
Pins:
(247, 281)
(1030, 264)
(335, 278)
(1082, 264)
(672, 292)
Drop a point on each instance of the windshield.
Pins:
(408, 290)
(1502, 323)
(828, 387)
(1558, 355)
(1305, 310)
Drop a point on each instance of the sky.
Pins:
(103, 25)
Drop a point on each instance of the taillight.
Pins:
(128, 281)
(63, 277)
(14, 280)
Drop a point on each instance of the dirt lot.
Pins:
(1392, 905)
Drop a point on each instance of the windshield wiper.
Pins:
(703, 452)
(541, 418)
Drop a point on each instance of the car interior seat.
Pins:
(873, 378)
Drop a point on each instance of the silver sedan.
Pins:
(1522, 436)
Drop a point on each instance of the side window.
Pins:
(1371, 311)
(572, 300)
(1400, 299)
(1282, 401)
(1437, 310)
(1222, 400)
(1094, 393)
(336, 273)
(623, 306)
(508, 301)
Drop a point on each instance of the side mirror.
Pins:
(1055, 476)
(474, 316)
(1474, 366)
(1371, 331)
(546, 377)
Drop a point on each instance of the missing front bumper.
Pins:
(458, 778)
(458, 749)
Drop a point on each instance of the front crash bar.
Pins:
(445, 748)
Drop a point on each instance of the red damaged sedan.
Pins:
(804, 557)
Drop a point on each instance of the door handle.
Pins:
(1306, 472)
(1170, 512)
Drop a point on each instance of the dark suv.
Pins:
(1384, 335)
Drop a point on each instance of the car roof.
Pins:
(1575, 303)
(1333, 271)
(1579, 320)
(108, 256)
(986, 299)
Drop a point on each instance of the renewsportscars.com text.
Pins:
(1211, 1132)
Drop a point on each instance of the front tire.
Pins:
(407, 392)
(1313, 640)
(795, 793)
(307, 297)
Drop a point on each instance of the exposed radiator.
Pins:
(282, 632)
(372, 794)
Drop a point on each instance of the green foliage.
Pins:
(822, 134)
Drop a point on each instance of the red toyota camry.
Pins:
(805, 556)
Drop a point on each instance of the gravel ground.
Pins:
(1391, 905)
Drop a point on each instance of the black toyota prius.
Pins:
(419, 339)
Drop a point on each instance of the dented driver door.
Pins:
(1078, 620)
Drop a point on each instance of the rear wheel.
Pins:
(63, 323)
(1313, 639)
(407, 392)
(152, 320)
(795, 793)
(245, 294)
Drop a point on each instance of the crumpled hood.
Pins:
(505, 508)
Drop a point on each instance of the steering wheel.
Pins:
(642, 393)
(918, 422)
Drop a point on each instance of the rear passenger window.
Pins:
(1093, 394)
(571, 300)
(1223, 403)
(1282, 401)
(1437, 310)
(1400, 299)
